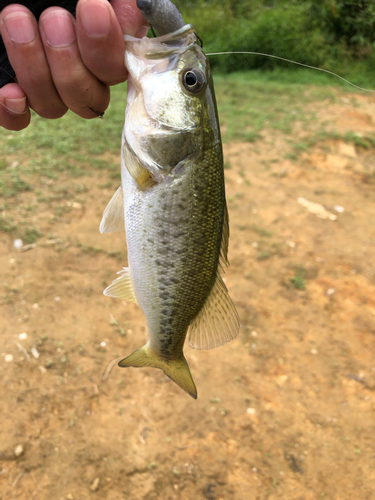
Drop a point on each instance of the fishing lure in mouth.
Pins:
(172, 203)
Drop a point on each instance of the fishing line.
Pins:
(293, 62)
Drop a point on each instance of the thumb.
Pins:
(130, 18)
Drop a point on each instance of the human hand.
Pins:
(62, 63)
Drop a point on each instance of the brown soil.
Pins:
(286, 411)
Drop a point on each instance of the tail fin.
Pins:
(177, 370)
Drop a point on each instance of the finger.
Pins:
(14, 111)
(101, 41)
(20, 34)
(78, 88)
(130, 18)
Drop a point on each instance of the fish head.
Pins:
(170, 103)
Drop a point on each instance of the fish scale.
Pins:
(190, 240)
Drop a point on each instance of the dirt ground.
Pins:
(286, 411)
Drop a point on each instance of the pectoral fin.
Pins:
(140, 174)
(113, 217)
(177, 370)
(217, 323)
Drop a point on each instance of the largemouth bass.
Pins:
(172, 202)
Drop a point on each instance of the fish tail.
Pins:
(177, 369)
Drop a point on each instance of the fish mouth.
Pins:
(173, 42)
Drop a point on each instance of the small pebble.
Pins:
(12, 261)
(290, 244)
(330, 292)
(95, 484)
(18, 243)
(251, 411)
(129, 332)
(8, 358)
(42, 369)
(339, 209)
(22, 336)
(103, 344)
(255, 469)
(34, 351)
(254, 333)
(57, 298)
(69, 496)
(255, 244)
(253, 346)
(18, 450)
(314, 351)
(35, 306)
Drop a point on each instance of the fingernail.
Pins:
(20, 27)
(16, 106)
(142, 32)
(95, 18)
(58, 29)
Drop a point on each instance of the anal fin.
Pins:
(217, 323)
(122, 287)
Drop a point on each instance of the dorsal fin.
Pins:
(223, 258)
(113, 217)
(217, 323)
(122, 287)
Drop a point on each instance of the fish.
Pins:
(172, 204)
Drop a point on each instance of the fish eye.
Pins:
(193, 80)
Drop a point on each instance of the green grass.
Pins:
(66, 148)
(31, 235)
(251, 105)
(298, 281)
(299, 30)
(260, 231)
(358, 140)
(252, 101)
(248, 103)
